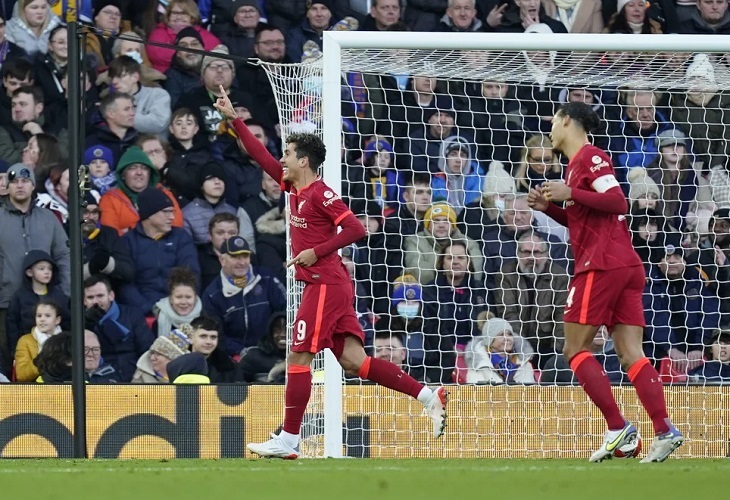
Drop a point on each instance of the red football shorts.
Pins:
(608, 298)
(325, 316)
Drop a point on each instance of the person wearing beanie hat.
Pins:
(190, 368)
(672, 137)
(198, 213)
(210, 59)
(178, 16)
(152, 365)
(406, 296)
(151, 201)
(632, 17)
(498, 182)
(135, 172)
(188, 32)
(498, 356)
(99, 160)
(441, 211)
(376, 179)
(20, 171)
(642, 187)
(235, 24)
(319, 17)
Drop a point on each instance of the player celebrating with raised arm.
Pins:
(326, 317)
(608, 283)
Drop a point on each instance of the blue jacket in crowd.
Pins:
(712, 371)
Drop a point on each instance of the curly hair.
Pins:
(309, 146)
(181, 276)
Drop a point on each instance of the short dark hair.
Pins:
(111, 100)
(181, 276)
(387, 334)
(255, 123)
(36, 92)
(418, 178)
(123, 65)
(453, 243)
(222, 217)
(581, 113)
(55, 357)
(95, 279)
(183, 112)
(261, 27)
(309, 146)
(46, 301)
(206, 322)
(18, 68)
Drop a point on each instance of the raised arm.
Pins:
(253, 146)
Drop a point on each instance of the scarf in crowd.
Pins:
(104, 184)
(168, 319)
(504, 365)
(112, 316)
(566, 12)
(232, 286)
(41, 337)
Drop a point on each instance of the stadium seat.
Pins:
(668, 375)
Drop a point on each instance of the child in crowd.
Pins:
(100, 162)
(41, 281)
(47, 323)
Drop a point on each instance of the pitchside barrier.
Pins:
(164, 421)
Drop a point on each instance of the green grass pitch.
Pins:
(373, 479)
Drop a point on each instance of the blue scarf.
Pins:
(104, 184)
(505, 366)
(114, 329)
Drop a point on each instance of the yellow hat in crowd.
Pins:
(437, 210)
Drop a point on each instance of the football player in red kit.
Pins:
(608, 283)
(326, 317)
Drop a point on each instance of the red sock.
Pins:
(389, 375)
(298, 390)
(651, 393)
(594, 381)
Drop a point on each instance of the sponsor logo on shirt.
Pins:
(299, 222)
(598, 163)
(331, 198)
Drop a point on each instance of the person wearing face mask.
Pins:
(131, 44)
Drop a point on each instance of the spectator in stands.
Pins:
(244, 175)
(156, 149)
(41, 282)
(120, 205)
(152, 105)
(711, 18)
(519, 16)
(716, 369)
(41, 153)
(318, 19)
(376, 179)
(117, 131)
(152, 365)
(557, 369)
(179, 14)
(122, 331)
(266, 361)
(650, 234)
(184, 72)
(498, 356)
(714, 255)
(539, 164)
(498, 117)
(190, 152)
(27, 120)
(365, 315)
(531, 293)
(31, 25)
(16, 73)
(98, 371)
(700, 112)
(451, 303)
(631, 18)
(384, 14)
(421, 251)
(237, 29)
(643, 191)
(426, 150)
(55, 197)
(103, 250)
(204, 337)
(479, 217)
(220, 228)
(598, 98)
(50, 68)
(11, 50)
(460, 177)
(460, 17)
(190, 368)
(578, 16)
(127, 46)
(679, 296)
(99, 159)
(271, 240)
(242, 298)
(634, 137)
(369, 257)
(182, 304)
(54, 360)
(389, 346)
(20, 216)
(156, 248)
(266, 204)
(199, 211)
(107, 19)
(47, 321)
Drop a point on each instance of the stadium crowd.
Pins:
(457, 280)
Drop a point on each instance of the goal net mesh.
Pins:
(439, 148)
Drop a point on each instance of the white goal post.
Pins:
(441, 55)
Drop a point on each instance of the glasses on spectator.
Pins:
(178, 14)
(272, 43)
(92, 350)
(220, 67)
(541, 160)
(93, 211)
(535, 253)
(23, 173)
(154, 152)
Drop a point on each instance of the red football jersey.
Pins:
(600, 240)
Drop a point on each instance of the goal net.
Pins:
(434, 145)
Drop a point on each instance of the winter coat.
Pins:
(18, 32)
(48, 76)
(238, 40)
(424, 15)
(481, 370)
(297, 36)
(145, 374)
(182, 171)
(118, 211)
(180, 81)
(244, 313)
(258, 361)
(712, 371)
(14, 52)
(271, 242)
(20, 317)
(123, 341)
(197, 215)
(698, 26)
(152, 110)
(372, 272)
(707, 126)
(105, 137)
(511, 22)
(457, 190)
(243, 179)
(26, 352)
(154, 258)
(108, 241)
(221, 368)
(104, 374)
(199, 101)
(587, 18)
(192, 363)
(37, 229)
(534, 309)
(634, 148)
(679, 196)
(420, 254)
(253, 209)
(397, 227)
(210, 265)
(160, 57)
(284, 13)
